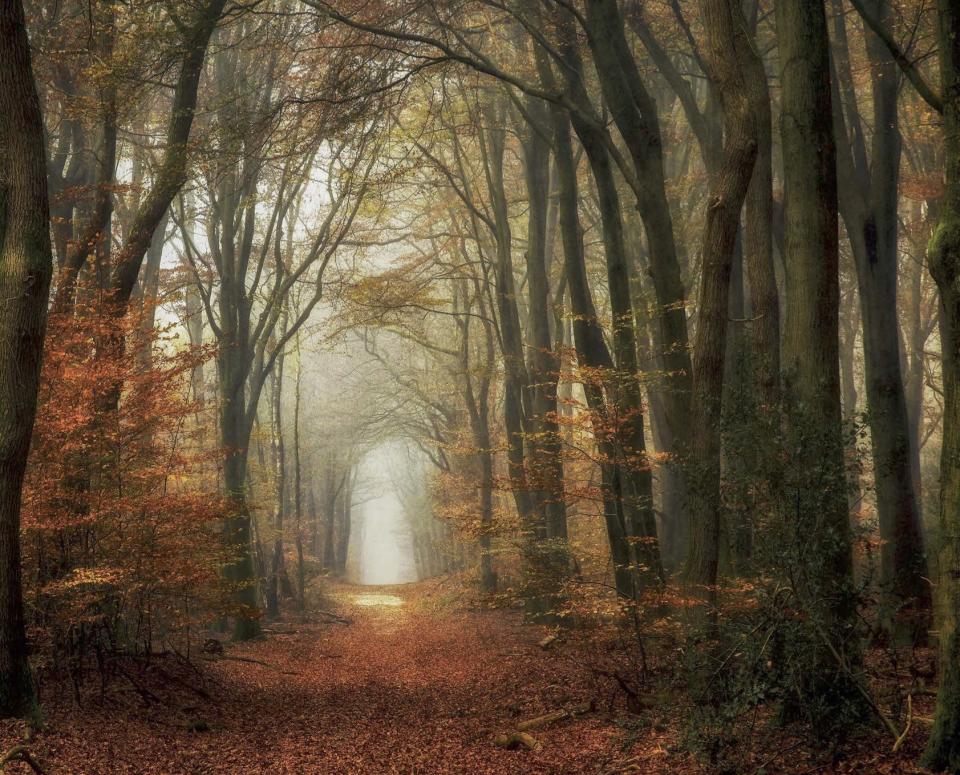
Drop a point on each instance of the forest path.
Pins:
(411, 685)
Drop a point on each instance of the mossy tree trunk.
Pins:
(943, 749)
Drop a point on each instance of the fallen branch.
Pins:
(251, 661)
(21, 753)
(514, 740)
(145, 694)
(335, 617)
(519, 737)
(906, 728)
(557, 715)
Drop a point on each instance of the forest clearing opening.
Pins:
(385, 537)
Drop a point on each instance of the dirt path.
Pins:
(399, 690)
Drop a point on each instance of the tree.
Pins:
(869, 206)
(26, 267)
(733, 64)
(814, 503)
(943, 748)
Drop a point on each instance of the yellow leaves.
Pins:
(84, 578)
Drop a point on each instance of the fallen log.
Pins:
(514, 740)
(557, 715)
(519, 737)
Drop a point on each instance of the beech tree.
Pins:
(26, 266)
(816, 501)
(943, 749)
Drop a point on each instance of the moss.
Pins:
(943, 251)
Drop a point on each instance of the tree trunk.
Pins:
(298, 487)
(235, 437)
(543, 365)
(26, 266)
(279, 487)
(729, 54)
(635, 114)
(345, 525)
(943, 749)
(591, 348)
(869, 205)
(815, 503)
(633, 523)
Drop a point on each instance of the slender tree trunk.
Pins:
(543, 365)
(871, 218)
(298, 487)
(729, 54)
(849, 324)
(634, 522)
(279, 487)
(345, 523)
(194, 314)
(26, 266)
(635, 114)
(592, 351)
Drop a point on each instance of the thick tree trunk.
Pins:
(815, 503)
(26, 266)
(943, 749)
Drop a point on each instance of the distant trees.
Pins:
(258, 248)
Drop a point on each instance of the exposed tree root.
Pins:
(21, 753)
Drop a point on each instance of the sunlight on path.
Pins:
(373, 600)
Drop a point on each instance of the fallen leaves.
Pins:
(411, 690)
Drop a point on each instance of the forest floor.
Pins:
(413, 683)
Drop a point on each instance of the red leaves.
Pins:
(120, 515)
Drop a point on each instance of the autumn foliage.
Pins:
(121, 553)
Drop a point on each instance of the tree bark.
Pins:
(814, 503)
(26, 266)
(729, 56)
(279, 486)
(869, 206)
(943, 748)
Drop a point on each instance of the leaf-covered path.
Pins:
(400, 689)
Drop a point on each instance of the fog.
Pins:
(384, 551)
